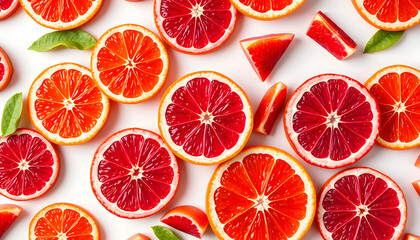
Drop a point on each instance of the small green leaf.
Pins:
(381, 40)
(75, 39)
(11, 115)
(163, 233)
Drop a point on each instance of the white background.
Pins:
(303, 59)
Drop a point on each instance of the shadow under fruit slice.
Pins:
(361, 203)
(262, 194)
(8, 215)
(6, 69)
(134, 174)
(331, 121)
(7, 8)
(29, 165)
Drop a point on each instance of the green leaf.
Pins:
(75, 39)
(11, 115)
(163, 233)
(382, 40)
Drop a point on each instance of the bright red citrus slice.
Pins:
(417, 163)
(408, 236)
(267, 9)
(134, 174)
(6, 69)
(29, 165)
(8, 215)
(331, 121)
(261, 194)
(397, 90)
(61, 14)
(205, 118)
(264, 52)
(188, 219)
(196, 26)
(63, 221)
(138, 236)
(416, 186)
(7, 8)
(362, 204)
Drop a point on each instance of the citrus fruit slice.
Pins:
(63, 221)
(362, 204)
(8, 215)
(262, 194)
(205, 118)
(397, 90)
(267, 9)
(138, 236)
(389, 14)
(265, 51)
(6, 69)
(65, 104)
(133, 174)
(270, 108)
(416, 186)
(331, 121)
(409, 236)
(29, 165)
(195, 27)
(417, 163)
(7, 8)
(61, 14)
(188, 219)
(129, 63)
(331, 37)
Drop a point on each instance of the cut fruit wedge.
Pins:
(264, 52)
(129, 63)
(417, 163)
(6, 69)
(29, 165)
(331, 37)
(63, 221)
(8, 215)
(331, 121)
(261, 194)
(138, 236)
(195, 27)
(267, 10)
(270, 108)
(134, 174)
(397, 90)
(410, 237)
(188, 219)
(416, 186)
(205, 118)
(7, 8)
(361, 203)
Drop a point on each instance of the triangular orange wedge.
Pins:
(8, 215)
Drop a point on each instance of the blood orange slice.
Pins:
(6, 69)
(397, 90)
(133, 174)
(61, 14)
(331, 121)
(65, 104)
(129, 63)
(267, 9)
(389, 14)
(7, 8)
(8, 215)
(362, 204)
(261, 194)
(205, 118)
(29, 165)
(63, 221)
(416, 186)
(197, 26)
(138, 236)
(417, 163)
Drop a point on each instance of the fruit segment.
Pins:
(8, 215)
(138, 236)
(270, 108)
(6, 69)
(416, 186)
(264, 52)
(409, 236)
(417, 163)
(7, 8)
(331, 37)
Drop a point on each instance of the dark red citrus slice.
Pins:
(6, 69)
(8, 215)
(7, 8)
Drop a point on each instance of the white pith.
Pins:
(10, 9)
(55, 137)
(270, 14)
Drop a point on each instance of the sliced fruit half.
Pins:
(129, 63)
(397, 90)
(361, 203)
(7, 8)
(134, 174)
(264, 52)
(188, 219)
(6, 69)
(29, 165)
(331, 121)
(66, 105)
(205, 118)
(195, 27)
(267, 9)
(63, 221)
(262, 194)
(409, 236)
(331, 37)
(8, 215)
(416, 186)
(138, 236)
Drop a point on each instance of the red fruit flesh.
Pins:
(7, 7)
(183, 224)
(139, 236)
(417, 163)
(411, 237)
(8, 215)
(416, 186)
(331, 37)
(188, 219)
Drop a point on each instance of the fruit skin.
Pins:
(9, 69)
(416, 186)
(325, 39)
(262, 16)
(8, 215)
(417, 163)
(138, 236)
(409, 236)
(270, 108)
(13, 8)
(196, 215)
